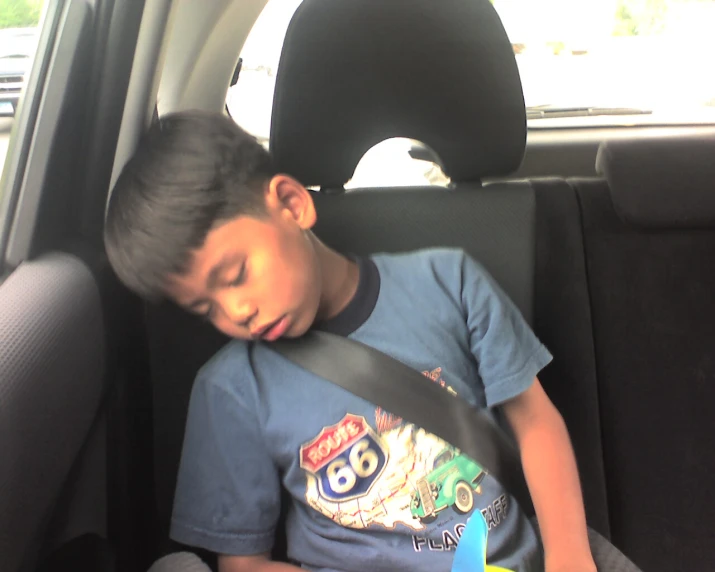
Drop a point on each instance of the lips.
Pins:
(273, 331)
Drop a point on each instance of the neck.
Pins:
(339, 276)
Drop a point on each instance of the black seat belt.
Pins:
(402, 391)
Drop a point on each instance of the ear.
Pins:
(292, 199)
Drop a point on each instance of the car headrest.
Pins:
(356, 72)
(661, 183)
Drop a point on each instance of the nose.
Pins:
(238, 310)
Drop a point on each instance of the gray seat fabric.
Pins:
(562, 319)
(606, 556)
(661, 183)
(51, 383)
(180, 562)
(495, 224)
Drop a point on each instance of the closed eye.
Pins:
(240, 277)
(205, 312)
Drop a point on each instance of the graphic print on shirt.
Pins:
(397, 474)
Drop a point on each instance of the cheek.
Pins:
(289, 284)
(294, 270)
(304, 271)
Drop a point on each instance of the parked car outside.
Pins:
(17, 49)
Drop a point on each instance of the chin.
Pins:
(301, 325)
(296, 331)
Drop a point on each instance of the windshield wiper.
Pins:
(556, 112)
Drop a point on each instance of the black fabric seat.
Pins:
(649, 236)
(351, 75)
(562, 319)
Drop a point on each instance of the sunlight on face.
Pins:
(257, 278)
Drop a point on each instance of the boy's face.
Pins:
(257, 277)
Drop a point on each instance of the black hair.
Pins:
(191, 171)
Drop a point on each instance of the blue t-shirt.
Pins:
(370, 491)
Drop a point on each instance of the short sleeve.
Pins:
(228, 491)
(508, 353)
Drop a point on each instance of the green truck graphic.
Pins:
(451, 482)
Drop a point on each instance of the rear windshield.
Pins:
(582, 62)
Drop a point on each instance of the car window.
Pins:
(19, 35)
(613, 62)
(582, 63)
(19, 21)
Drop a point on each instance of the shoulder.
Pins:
(228, 372)
(449, 268)
(233, 353)
(428, 260)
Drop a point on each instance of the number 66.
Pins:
(363, 463)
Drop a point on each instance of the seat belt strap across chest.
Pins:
(406, 393)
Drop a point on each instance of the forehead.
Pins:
(225, 246)
(237, 235)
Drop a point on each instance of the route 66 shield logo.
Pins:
(346, 459)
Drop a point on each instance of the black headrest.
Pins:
(661, 183)
(356, 72)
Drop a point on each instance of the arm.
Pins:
(510, 357)
(260, 563)
(552, 476)
(227, 497)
